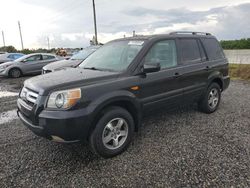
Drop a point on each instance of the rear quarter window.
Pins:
(213, 49)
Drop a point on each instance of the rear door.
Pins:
(46, 59)
(161, 88)
(195, 71)
(217, 60)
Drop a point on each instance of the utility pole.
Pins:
(133, 33)
(48, 43)
(96, 41)
(3, 39)
(20, 31)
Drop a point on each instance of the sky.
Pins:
(69, 23)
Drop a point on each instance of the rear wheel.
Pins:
(15, 73)
(113, 132)
(211, 100)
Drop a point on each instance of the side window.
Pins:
(163, 52)
(202, 52)
(33, 58)
(190, 52)
(213, 49)
(48, 57)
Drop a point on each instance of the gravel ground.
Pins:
(184, 148)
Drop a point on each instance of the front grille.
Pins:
(29, 96)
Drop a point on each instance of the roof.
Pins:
(179, 34)
(40, 54)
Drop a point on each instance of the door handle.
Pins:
(207, 68)
(177, 75)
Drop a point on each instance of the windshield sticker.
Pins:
(136, 42)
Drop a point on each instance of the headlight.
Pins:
(64, 99)
(4, 66)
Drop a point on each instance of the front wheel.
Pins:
(211, 100)
(15, 73)
(113, 132)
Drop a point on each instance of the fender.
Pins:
(103, 101)
(215, 75)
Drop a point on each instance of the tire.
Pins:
(15, 73)
(107, 140)
(211, 100)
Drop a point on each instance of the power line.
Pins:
(20, 31)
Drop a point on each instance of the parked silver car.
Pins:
(9, 57)
(74, 61)
(28, 64)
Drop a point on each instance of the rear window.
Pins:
(213, 49)
(190, 52)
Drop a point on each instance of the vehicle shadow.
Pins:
(81, 151)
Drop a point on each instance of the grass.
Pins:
(239, 71)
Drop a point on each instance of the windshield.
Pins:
(83, 54)
(21, 58)
(114, 56)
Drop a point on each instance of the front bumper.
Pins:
(61, 126)
(3, 72)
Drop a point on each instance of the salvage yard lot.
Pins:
(172, 149)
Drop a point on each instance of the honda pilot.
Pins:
(104, 99)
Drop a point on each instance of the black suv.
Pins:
(103, 100)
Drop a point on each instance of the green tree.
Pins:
(236, 44)
(8, 49)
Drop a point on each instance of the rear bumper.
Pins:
(226, 82)
(61, 126)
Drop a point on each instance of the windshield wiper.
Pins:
(99, 69)
(91, 68)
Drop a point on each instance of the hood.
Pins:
(68, 78)
(61, 64)
(7, 63)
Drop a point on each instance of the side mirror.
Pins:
(148, 68)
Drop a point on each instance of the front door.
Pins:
(31, 64)
(161, 88)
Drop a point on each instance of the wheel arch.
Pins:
(126, 101)
(14, 68)
(216, 77)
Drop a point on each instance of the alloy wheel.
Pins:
(213, 98)
(115, 133)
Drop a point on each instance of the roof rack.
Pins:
(189, 32)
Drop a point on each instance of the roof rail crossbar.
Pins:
(189, 32)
